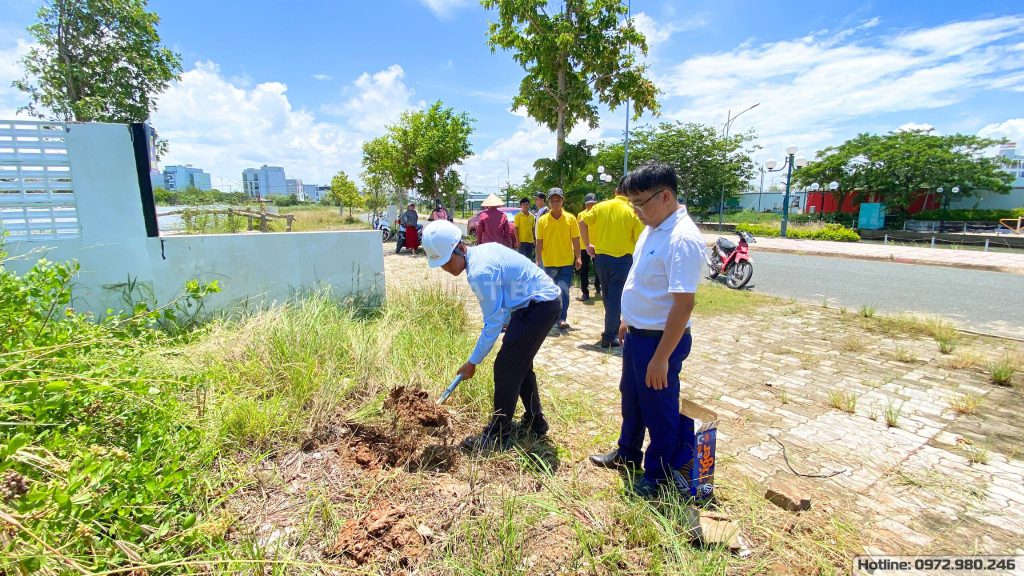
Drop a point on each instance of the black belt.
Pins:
(649, 333)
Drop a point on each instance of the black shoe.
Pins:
(613, 343)
(613, 460)
(490, 440)
(536, 425)
(584, 298)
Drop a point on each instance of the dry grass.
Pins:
(905, 355)
(843, 400)
(963, 358)
(965, 404)
(853, 343)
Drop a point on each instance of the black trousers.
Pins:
(514, 377)
(584, 273)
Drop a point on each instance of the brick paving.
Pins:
(912, 488)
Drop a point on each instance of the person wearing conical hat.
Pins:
(493, 225)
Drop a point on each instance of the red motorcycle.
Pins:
(733, 260)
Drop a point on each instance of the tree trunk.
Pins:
(560, 130)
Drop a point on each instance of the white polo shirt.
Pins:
(667, 259)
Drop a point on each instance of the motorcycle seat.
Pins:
(725, 246)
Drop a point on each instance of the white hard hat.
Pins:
(440, 238)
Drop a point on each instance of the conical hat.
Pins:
(492, 201)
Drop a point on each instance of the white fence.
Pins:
(71, 192)
(37, 197)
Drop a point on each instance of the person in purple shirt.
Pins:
(493, 225)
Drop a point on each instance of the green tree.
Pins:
(899, 166)
(96, 60)
(344, 192)
(375, 195)
(572, 58)
(421, 151)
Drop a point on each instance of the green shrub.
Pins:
(833, 232)
(969, 215)
(94, 452)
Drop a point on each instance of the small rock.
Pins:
(425, 532)
(787, 496)
(715, 532)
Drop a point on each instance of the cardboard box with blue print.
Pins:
(699, 431)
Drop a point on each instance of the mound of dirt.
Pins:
(382, 530)
(415, 406)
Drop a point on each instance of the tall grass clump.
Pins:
(279, 373)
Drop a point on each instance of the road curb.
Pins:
(897, 260)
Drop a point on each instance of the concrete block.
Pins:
(787, 495)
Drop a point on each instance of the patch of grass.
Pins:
(892, 414)
(715, 300)
(946, 345)
(320, 218)
(853, 343)
(843, 400)
(963, 358)
(783, 397)
(867, 311)
(966, 404)
(976, 454)
(1001, 371)
(905, 355)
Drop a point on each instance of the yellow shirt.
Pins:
(612, 227)
(557, 235)
(524, 227)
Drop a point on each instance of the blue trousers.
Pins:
(612, 272)
(652, 411)
(526, 249)
(562, 275)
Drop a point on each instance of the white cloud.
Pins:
(11, 98)
(816, 86)
(444, 9)
(322, 77)
(379, 100)
(659, 32)
(909, 126)
(1012, 129)
(222, 127)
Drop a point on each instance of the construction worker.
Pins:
(609, 231)
(507, 284)
(657, 301)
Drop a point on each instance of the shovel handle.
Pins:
(451, 388)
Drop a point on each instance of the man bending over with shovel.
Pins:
(506, 283)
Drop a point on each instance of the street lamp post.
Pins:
(761, 191)
(601, 175)
(790, 163)
(945, 204)
(725, 132)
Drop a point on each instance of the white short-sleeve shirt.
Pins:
(667, 259)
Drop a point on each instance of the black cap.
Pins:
(589, 198)
(541, 195)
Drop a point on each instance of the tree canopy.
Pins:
(96, 60)
(573, 57)
(900, 165)
(344, 192)
(421, 151)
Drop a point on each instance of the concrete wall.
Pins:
(113, 248)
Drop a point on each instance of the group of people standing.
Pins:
(648, 254)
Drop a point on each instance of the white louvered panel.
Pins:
(37, 198)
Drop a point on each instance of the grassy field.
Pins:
(263, 442)
(307, 219)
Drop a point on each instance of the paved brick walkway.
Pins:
(911, 488)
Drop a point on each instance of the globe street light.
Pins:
(832, 187)
(790, 163)
(945, 204)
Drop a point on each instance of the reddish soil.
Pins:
(415, 406)
(382, 530)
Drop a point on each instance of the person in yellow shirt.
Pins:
(558, 248)
(609, 231)
(525, 223)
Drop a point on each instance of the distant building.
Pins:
(1014, 164)
(322, 192)
(264, 181)
(183, 177)
(312, 192)
(294, 186)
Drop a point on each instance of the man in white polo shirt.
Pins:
(657, 301)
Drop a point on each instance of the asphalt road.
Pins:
(984, 301)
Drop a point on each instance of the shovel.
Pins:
(451, 388)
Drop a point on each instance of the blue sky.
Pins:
(303, 84)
